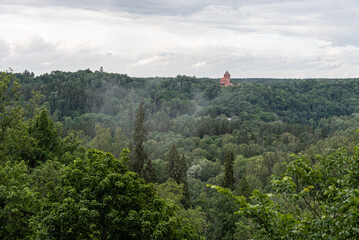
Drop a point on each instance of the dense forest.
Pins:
(96, 155)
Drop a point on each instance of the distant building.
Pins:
(226, 80)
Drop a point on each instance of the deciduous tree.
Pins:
(312, 200)
(101, 199)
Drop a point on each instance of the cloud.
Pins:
(148, 7)
(145, 7)
(4, 49)
(199, 61)
(257, 38)
(199, 64)
(36, 45)
(39, 55)
(154, 61)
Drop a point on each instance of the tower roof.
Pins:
(227, 74)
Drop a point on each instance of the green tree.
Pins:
(229, 181)
(174, 193)
(139, 161)
(12, 125)
(9, 105)
(183, 178)
(100, 199)
(149, 172)
(18, 202)
(46, 177)
(104, 141)
(120, 141)
(46, 138)
(312, 200)
(243, 188)
(177, 170)
(173, 159)
(221, 222)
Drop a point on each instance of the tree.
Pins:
(100, 198)
(228, 181)
(312, 200)
(243, 188)
(139, 156)
(183, 179)
(220, 218)
(174, 192)
(18, 202)
(46, 177)
(173, 164)
(149, 172)
(9, 105)
(104, 141)
(46, 138)
(177, 170)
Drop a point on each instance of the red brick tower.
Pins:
(226, 80)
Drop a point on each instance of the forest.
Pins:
(97, 155)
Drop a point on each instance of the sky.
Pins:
(166, 38)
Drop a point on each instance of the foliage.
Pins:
(9, 107)
(46, 177)
(228, 181)
(312, 200)
(222, 224)
(262, 121)
(101, 199)
(175, 194)
(243, 188)
(45, 137)
(140, 163)
(18, 202)
(173, 164)
(107, 142)
(177, 170)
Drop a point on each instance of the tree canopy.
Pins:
(101, 199)
(55, 183)
(312, 200)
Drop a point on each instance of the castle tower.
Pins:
(226, 80)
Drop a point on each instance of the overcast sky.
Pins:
(249, 38)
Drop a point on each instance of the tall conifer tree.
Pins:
(138, 156)
(183, 179)
(228, 181)
(243, 188)
(177, 170)
(173, 164)
(149, 173)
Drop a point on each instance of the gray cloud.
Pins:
(36, 46)
(159, 7)
(257, 38)
(152, 7)
(199, 61)
(335, 21)
(4, 49)
(53, 57)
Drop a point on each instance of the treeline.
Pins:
(51, 187)
(234, 136)
(300, 101)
